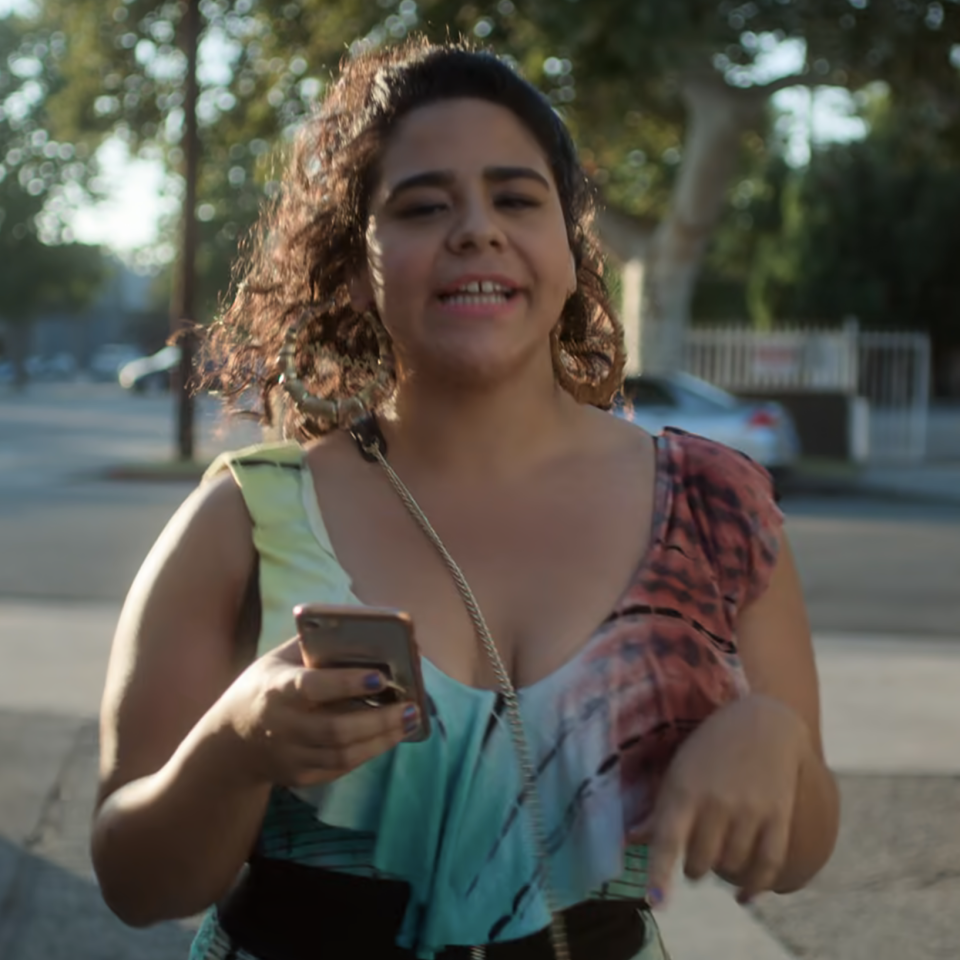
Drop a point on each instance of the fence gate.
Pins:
(894, 376)
(889, 370)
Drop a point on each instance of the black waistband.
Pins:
(280, 910)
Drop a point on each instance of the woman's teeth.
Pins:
(478, 293)
(475, 299)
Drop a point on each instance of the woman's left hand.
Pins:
(726, 803)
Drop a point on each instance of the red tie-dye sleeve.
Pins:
(731, 501)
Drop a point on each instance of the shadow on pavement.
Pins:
(50, 904)
(50, 913)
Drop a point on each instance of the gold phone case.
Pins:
(374, 638)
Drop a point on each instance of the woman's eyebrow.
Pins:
(501, 174)
(446, 178)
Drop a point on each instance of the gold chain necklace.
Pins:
(370, 442)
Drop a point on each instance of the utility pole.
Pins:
(183, 314)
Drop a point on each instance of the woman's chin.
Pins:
(481, 367)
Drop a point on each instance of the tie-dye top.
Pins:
(446, 815)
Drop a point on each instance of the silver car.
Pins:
(762, 430)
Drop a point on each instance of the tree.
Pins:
(871, 230)
(40, 266)
(659, 94)
(691, 66)
(124, 72)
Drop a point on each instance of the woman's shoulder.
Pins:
(279, 453)
(725, 501)
(206, 546)
(718, 472)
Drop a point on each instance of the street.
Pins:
(867, 565)
(881, 580)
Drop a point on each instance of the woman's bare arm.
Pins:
(777, 654)
(177, 813)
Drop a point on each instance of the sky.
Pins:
(128, 218)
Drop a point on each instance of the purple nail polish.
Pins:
(654, 896)
(411, 719)
(373, 681)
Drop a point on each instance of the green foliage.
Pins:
(752, 218)
(615, 67)
(871, 230)
(612, 67)
(122, 72)
(40, 268)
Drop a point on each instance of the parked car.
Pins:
(150, 373)
(107, 360)
(762, 430)
(157, 371)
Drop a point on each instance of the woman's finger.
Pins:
(331, 728)
(769, 856)
(642, 833)
(738, 849)
(706, 842)
(317, 764)
(336, 684)
(672, 824)
(288, 652)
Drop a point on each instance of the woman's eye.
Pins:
(517, 202)
(422, 210)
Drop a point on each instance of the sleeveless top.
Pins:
(446, 815)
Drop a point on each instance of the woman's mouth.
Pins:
(478, 293)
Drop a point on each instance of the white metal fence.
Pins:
(890, 370)
(894, 376)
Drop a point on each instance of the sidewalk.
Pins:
(931, 482)
(890, 706)
(926, 481)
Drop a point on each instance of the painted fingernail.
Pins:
(373, 681)
(411, 719)
(654, 896)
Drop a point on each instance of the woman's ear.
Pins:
(361, 290)
(572, 285)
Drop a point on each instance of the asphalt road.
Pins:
(867, 565)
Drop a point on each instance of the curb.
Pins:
(864, 490)
(169, 472)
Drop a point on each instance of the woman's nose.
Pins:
(476, 228)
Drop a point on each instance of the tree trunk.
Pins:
(718, 115)
(632, 278)
(627, 239)
(184, 308)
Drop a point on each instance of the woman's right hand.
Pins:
(294, 727)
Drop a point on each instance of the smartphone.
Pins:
(366, 638)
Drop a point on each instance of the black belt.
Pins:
(281, 910)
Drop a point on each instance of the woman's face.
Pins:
(468, 261)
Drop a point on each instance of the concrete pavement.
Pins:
(939, 480)
(890, 707)
(932, 481)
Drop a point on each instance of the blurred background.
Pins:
(780, 209)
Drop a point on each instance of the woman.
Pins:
(432, 253)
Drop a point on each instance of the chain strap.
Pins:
(558, 934)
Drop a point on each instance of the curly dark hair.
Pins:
(298, 260)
